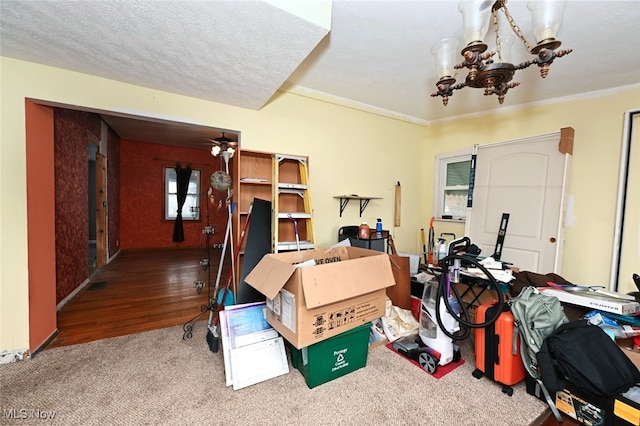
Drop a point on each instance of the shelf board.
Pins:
(292, 245)
(284, 186)
(364, 201)
(253, 180)
(294, 215)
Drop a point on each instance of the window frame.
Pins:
(187, 212)
(442, 162)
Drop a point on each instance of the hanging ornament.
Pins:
(220, 180)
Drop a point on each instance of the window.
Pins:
(452, 185)
(191, 207)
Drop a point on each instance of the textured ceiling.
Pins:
(369, 54)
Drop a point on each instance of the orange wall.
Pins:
(142, 224)
(40, 224)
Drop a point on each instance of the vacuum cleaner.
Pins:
(448, 294)
(431, 331)
(439, 319)
(444, 318)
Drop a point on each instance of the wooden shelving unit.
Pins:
(253, 179)
(283, 180)
(291, 202)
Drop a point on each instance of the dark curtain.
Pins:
(182, 184)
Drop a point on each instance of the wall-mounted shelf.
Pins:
(364, 201)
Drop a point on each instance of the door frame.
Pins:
(565, 147)
(101, 210)
(618, 228)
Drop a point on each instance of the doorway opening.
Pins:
(93, 149)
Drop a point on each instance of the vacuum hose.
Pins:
(444, 287)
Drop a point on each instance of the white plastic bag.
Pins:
(398, 322)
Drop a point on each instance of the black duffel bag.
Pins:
(586, 356)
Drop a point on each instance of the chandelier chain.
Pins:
(494, 13)
(514, 26)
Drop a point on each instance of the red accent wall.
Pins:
(142, 224)
(71, 201)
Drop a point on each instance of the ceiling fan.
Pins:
(223, 142)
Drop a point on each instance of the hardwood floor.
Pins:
(139, 291)
(551, 421)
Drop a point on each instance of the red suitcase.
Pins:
(493, 349)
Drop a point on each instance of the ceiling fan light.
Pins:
(445, 53)
(547, 18)
(475, 19)
(215, 150)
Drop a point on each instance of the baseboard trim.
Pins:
(73, 294)
(46, 343)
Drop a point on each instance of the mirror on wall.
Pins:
(626, 248)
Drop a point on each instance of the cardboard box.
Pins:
(595, 301)
(621, 410)
(344, 289)
(591, 410)
(630, 350)
(580, 409)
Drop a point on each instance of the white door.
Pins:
(526, 179)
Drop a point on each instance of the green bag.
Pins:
(535, 315)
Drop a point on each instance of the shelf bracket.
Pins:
(363, 204)
(343, 204)
(364, 201)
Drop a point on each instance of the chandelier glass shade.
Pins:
(475, 20)
(446, 55)
(487, 71)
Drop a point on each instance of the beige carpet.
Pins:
(157, 378)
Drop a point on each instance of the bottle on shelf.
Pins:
(363, 232)
(379, 228)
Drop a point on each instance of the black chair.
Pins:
(352, 233)
(348, 232)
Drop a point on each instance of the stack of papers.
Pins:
(253, 351)
(504, 276)
(252, 180)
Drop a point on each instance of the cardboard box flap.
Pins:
(269, 276)
(334, 282)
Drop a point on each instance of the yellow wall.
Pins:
(350, 152)
(593, 177)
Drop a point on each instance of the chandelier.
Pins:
(495, 77)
